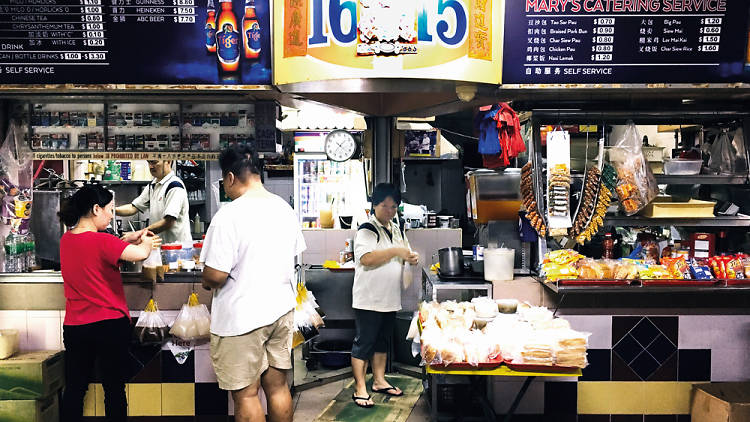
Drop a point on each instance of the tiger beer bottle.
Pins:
(251, 31)
(211, 28)
(227, 38)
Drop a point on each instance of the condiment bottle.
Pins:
(608, 244)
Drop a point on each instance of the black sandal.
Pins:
(366, 406)
(386, 391)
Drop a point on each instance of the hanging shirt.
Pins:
(89, 263)
(378, 288)
(160, 200)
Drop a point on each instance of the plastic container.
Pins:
(681, 167)
(197, 249)
(172, 256)
(8, 343)
(498, 264)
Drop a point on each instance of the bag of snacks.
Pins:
(150, 327)
(735, 268)
(677, 266)
(636, 186)
(700, 271)
(193, 321)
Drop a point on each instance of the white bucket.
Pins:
(498, 264)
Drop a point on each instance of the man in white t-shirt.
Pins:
(249, 254)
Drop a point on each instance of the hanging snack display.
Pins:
(529, 201)
(590, 217)
(558, 182)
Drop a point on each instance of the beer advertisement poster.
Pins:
(430, 39)
(140, 42)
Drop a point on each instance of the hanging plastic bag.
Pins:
(728, 156)
(16, 174)
(193, 321)
(152, 266)
(636, 186)
(150, 327)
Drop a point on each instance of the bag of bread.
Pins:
(636, 185)
(193, 321)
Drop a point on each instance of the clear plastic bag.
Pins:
(728, 156)
(150, 327)
(152, 266)
(636, 185)
(406, 275)
(193, 321)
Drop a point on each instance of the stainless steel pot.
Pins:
(451, 261)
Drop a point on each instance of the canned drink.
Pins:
(349, 245)
(478, 252)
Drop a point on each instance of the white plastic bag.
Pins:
(406, 275)
(150, 327)
(193, 321)
(636, 185)
(728, 157)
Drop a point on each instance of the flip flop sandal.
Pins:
(366, 406)
(386, 391)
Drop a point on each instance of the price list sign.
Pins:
(625, 41)
(134, 42)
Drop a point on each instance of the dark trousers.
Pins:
(105, 342)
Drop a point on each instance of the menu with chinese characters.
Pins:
(135, 42)
(625, 41)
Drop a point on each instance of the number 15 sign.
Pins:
(431, 39)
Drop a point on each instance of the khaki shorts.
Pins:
(240, 361)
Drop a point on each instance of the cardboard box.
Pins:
(42, 410)
(721, 402)
(691, 209)
(31, 375)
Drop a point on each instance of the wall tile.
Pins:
(600, 327)
(43, 330)
(560, 398)
(178, 399)
(98, 397)
(667, 371)
(730, 365)
(730, 331)
(622, 325)
(626, 418)
(505, 391)
(204, 370)
(694, 365)
(621, 371)
(175, 372)
(659, 418)
(667, 397)
(593, 418)
(695, 332)
(315, 241)
(669, 326)
(599, 365)
(644, 332)
(210, 400)
(89, 401)
(16, 320)
(611, 398)
(144, 400)
(644, 365)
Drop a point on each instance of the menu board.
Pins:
(135, 42)
(625, 41)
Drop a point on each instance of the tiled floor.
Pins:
(310, 403)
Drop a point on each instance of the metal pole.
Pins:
(381, 150)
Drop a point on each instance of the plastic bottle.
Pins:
(10, 258)
(608, 245)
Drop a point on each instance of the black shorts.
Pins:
(373, 332)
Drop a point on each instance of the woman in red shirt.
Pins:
(97, 321)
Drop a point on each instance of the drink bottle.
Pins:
(251, 31)
(211, 28)
(227, 38)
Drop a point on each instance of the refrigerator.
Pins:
(322, 184)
